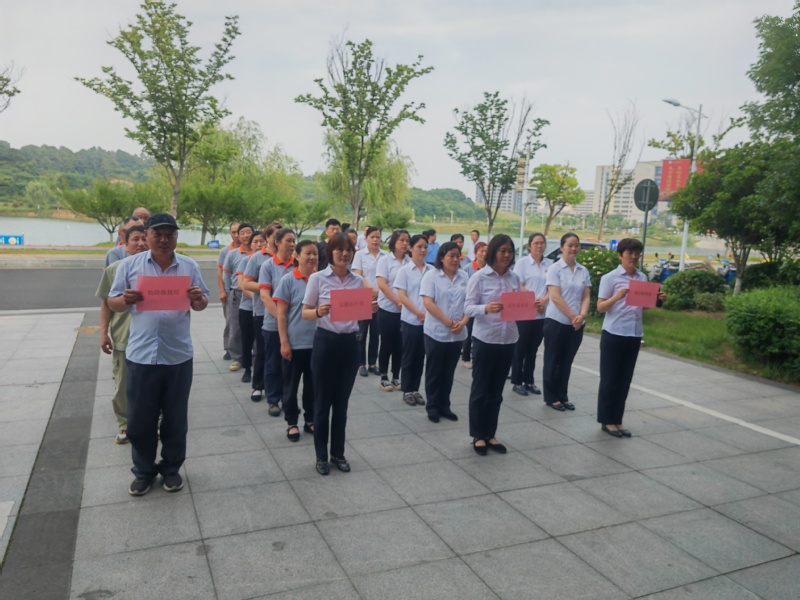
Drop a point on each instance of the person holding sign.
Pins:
(532, 270)
(443, 290)
(412, 316)
(334, 360)
(568, 287)
(493, 341)
(622, 334)
(159, 356)
(389, 306)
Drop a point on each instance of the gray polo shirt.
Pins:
(269, 276)
(290, 292)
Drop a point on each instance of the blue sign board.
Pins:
(213, 244)
(12, 240)
(613, 245)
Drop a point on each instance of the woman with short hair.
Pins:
(389, 306)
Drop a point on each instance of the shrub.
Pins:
(683, 287)
(789, 272)
(710, 302)
(598, 262)
(765, 326)
(760, 275)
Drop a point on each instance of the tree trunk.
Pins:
(203, 234)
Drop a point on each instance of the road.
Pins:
(22, 289)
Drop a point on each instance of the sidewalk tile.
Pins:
(716, 588)
(223, 440)
(436, 482)
(771, 516)
(231, 470)
(777, 580)
(395, 450)
(693, 445)
(345, 494)
(576, 462)
(336, 590)
(765, 470)
(502, 472)
(637, 453)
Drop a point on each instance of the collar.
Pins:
(231, 247)
(150, 258)
(298, 275)
(475, 265)
(280, 263)
(264, 250)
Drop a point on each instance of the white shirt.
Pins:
(484, 287)
(571, 283)
(408, 279)
(533, 276)
(361, 242)
(387, 267)
(365, 262)
(449, 298)
(621, 319)
(319, 290)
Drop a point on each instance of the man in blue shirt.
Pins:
(159, 357)
(433, 246)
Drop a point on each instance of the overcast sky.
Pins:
(576, 59)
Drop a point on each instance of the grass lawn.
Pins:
(698, 336)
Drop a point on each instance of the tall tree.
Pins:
(107, 203)
(625, 126)
(9, 77)
(170, 103)
(488, 142)
(304, 215)
(558, 187)
(357, 103)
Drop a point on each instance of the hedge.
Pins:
(683, 288)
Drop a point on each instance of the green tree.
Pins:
(357, 103)
(304, 215)
(170, 103)
(558, 187)
(107, 203)
(493, 135)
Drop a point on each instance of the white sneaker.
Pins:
(235, 366)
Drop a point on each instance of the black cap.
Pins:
(162, 220)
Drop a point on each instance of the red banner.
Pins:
(674, 174)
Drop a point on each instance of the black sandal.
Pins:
(293, 437)
(482, 450)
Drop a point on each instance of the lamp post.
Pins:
(692, 171)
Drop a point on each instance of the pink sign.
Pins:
(642, 293)
(518, 306)
(351, 305)
(164, 293)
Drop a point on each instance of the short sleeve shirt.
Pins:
(320, 286)
(251, 274)
(365, 262)
(621, 319)
(408, 279)
(115, 254)
(241, 265)
(226, 277)
(571, 284)
(486, 286)
(120, 323)
(229, 269)
(269, 276)
(387, 267)
(533, 276)
(290, 292)
(449, 298)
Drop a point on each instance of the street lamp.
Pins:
(692, 170)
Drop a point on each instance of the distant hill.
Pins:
(441, 201)
(20, 167)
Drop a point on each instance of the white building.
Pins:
(584, 208)
(623, 203)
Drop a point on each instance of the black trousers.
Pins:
(365, 356)
(334, 363)
(441, 358)
(618, 356)
(391, 342)
(293, 371)
(491, 364)
(561, 343)
(413, 357)
(155, 390)
(273, 372)
(466, 347)
(530, 337)
(258, 358)
(248, 337)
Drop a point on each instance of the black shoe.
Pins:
(274, 410)
(433, 418)
(497, 447)
(173, 483)
(374, 370)
(479, 449)
(519, 389)
(308, 427)
(293, 437)
(450, 416)
(139, 487)
(323, 468)
(226, 356)
(531, 387)
(624, 432)
(341, 463)
(247, 376)
(568, 405)
(557, 407)
(362, 370)
(612, 432)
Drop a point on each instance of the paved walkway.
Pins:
(703, 502)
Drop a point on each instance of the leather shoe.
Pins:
(293, 437)
(625, 433)
(341, 463)
(479, 449)
(519, 389)
(308, 427)
(568, 405)
(497, 447)
(450, 416)
(323, 468)
(433, 418)
(612, 432)
(533, 389)
(362, 370)
(557, 407)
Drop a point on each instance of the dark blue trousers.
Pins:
(273, 369)
(413, 357)
(491, 364)
(442, 358)
(293, 371)
(561, 343)
(531, 334)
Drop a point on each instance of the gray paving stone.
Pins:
(721, 543)
(636, 496)
(336, 590)
(360, 542)
(299, 463)
(345, 494)
(270, 561)
(108, 485)
(226, 415)
(765, 470)
(53, 491)
(501, 472)
(563, 508)
(452, 443)
(786, 425)
(248, 508)
(361, 404)
(441, 580)
(493, 523)
(716, 588)
(18, 460)
(685, 417)
(637, 453)
(793, 496)
(777, 580)
(743, 438)
(148, 523)
(371, 425)
(772, 516)
(694, 445)
(703, 484)
(12, 489)
(625, 554)
(540, 570)
(19, 433)
(24, 409)
(175, 571)
(435, 482)
(231, 470)
(223, 440)
(103, 452)
(418, 421)
(576, 462)
(273, 433)
(211, 396)
(527, 435)
(395, 450)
